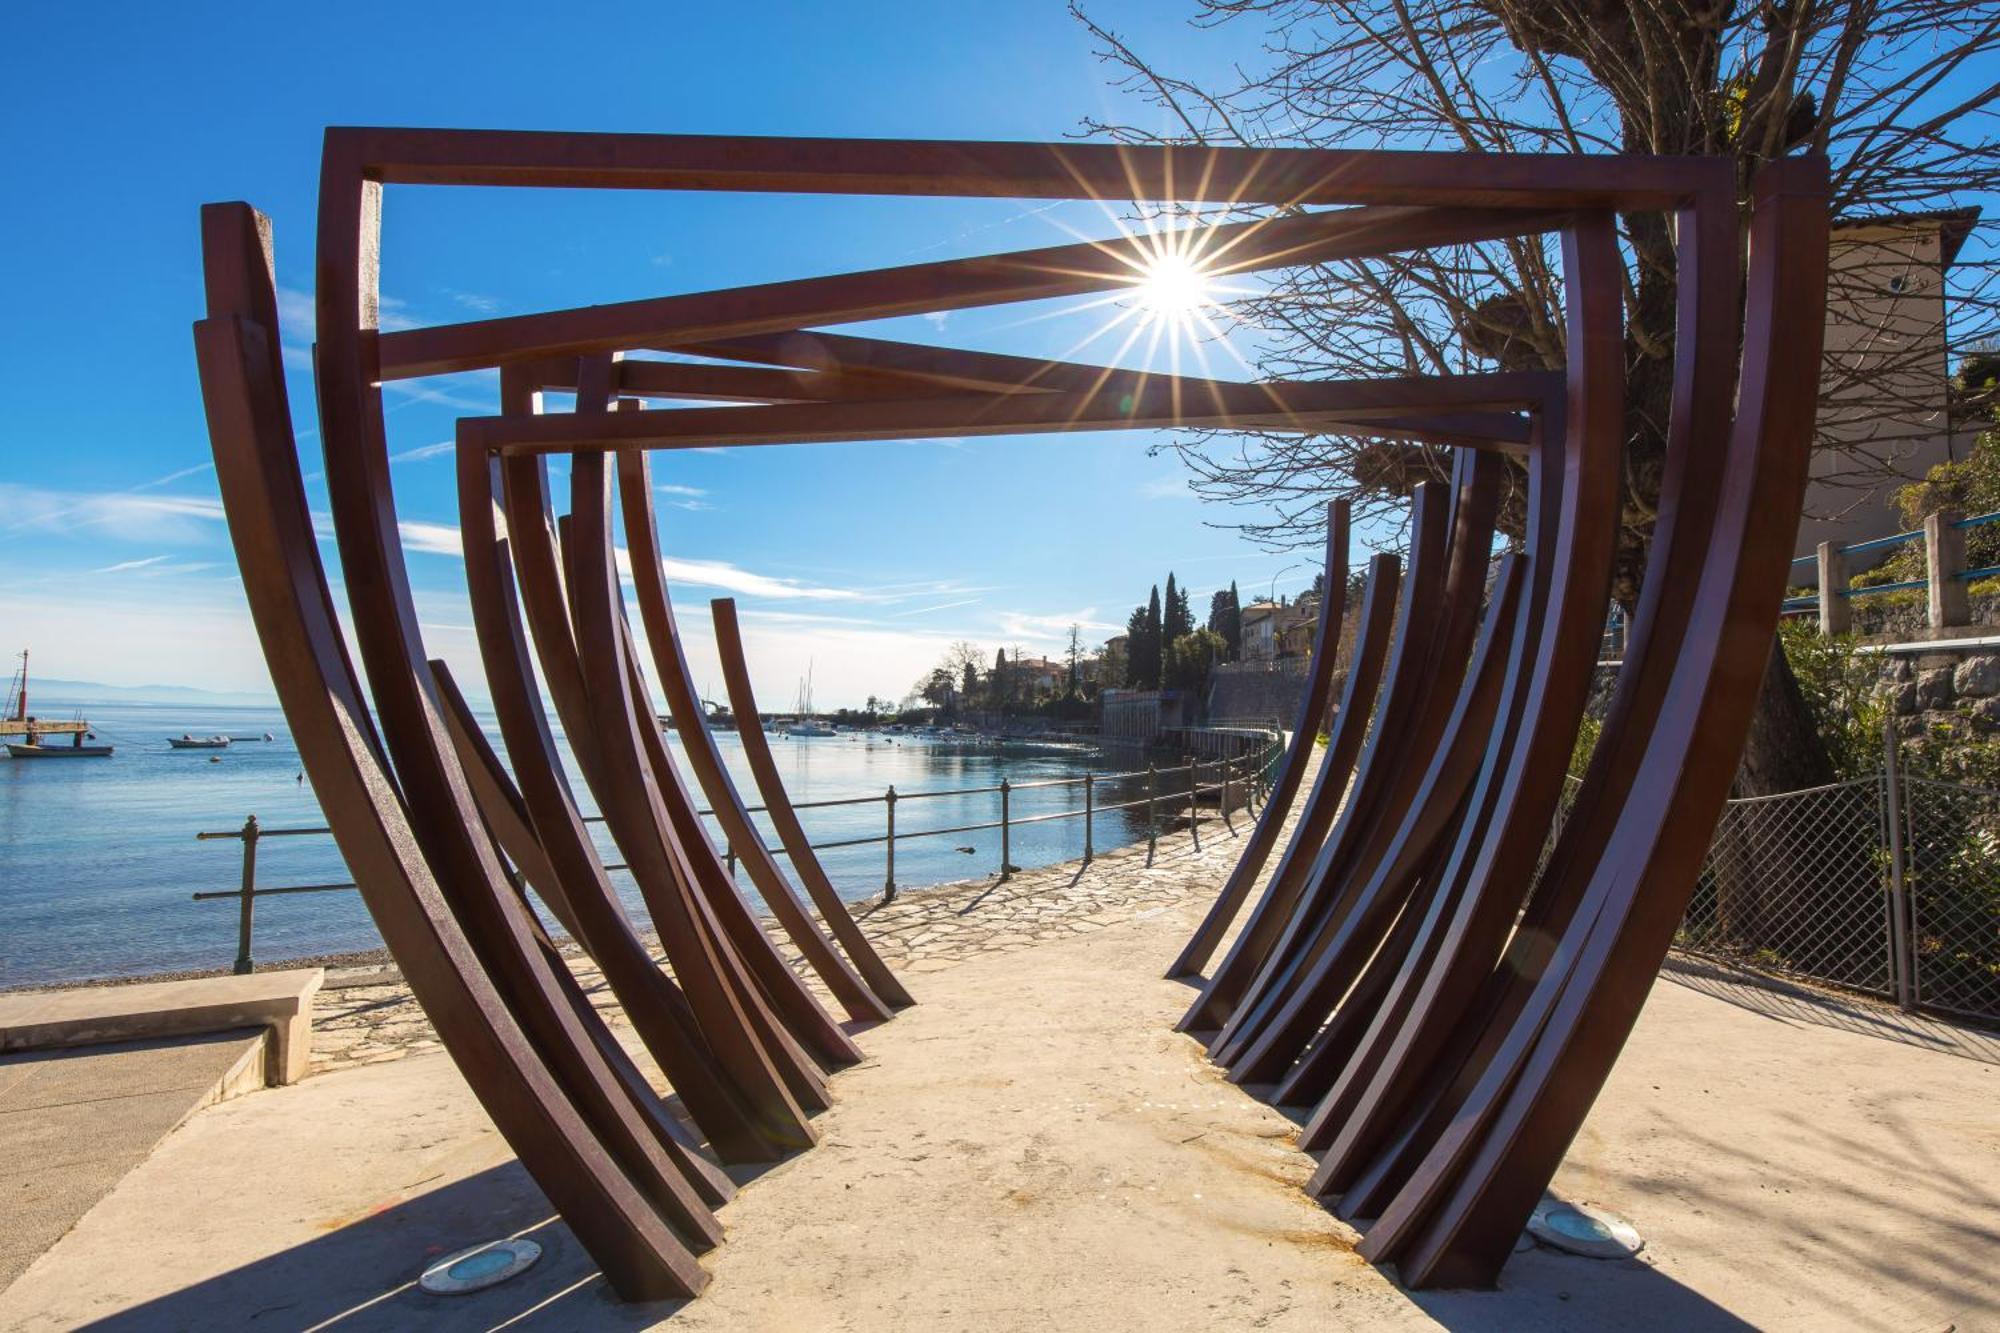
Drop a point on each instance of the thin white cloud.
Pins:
(669, 488)
(123, 515)
(1166, 488)
(196, 470)
(124, 565)
(430, 538)
(1031, 624)
(424, 451)
(926, 610)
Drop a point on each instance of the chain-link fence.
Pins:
(1888, 885)
(1951, 894)
(1799, 883)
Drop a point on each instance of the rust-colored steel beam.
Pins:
(861, 981)
(506, 816)
(875, 370)
(1239, 967)
(1302, 406)
(784, 817)
(249, 422)
(1291, 771)
(1287, 177)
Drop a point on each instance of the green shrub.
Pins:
(1840, 689)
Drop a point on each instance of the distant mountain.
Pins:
(53, 690)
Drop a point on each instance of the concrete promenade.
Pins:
(1033, 1147)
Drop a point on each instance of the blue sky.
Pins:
(863, 561)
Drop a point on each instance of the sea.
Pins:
(99, 858)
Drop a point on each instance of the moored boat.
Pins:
(187, 742)
(35, 731)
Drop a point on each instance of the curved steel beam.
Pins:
(1291, 771)
(617, 1216)
(635, 487)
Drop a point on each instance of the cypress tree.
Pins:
(1149, 664)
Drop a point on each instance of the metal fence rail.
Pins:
(1232, 785)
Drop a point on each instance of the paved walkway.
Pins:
(1032, 1147)
(923, 931)
(74, 1122)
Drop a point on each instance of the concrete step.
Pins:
(74, 1122)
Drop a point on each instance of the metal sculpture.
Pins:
(1447, 1012)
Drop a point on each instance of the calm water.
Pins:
(98, 856)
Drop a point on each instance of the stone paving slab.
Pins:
(73, 1122)
(922, 932)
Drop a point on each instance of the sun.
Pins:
(1173, 289)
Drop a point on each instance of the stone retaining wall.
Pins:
(1929, 689)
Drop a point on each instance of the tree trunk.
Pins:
(1766, 872)
(1783, 751)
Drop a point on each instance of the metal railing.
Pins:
(1246, 778)
(1945, 579)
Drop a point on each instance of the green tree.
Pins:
(1146, 645)
(1192, 658)
(1178, 617)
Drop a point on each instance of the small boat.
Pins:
(187, 742)
(76, 749)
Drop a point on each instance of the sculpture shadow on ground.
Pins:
(363, 1276)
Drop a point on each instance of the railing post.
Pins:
(1006, 852)
(729, 857)
(1152, 819)
(1944, 560)
(1835, 609)
(1902, 962)
(244, 966)
(1227, 765)
(1194, 803)
(889, 876)
(1089, 807)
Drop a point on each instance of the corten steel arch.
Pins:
(1448, 1054)
(1291, 767)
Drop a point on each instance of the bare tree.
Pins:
(1899, 94)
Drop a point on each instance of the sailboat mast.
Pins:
(21, 709)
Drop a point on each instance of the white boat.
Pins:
(187, 742)
(807, 724)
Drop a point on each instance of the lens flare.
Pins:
(1174, 290)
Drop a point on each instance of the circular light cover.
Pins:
(1590, 1232)
(480, 1267)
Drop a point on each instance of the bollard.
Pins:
(244, 966)
(1152, 823)
(1900, 955)
(889, 877)
(1006, 859)
(1089, 803)
(1194, 803)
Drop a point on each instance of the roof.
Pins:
(1953, 224)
